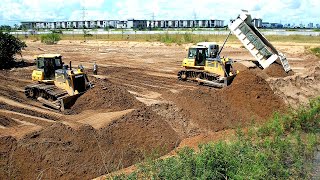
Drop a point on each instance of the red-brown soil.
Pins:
(60, 151)
(68, 148)
(7, 122)
(276, 70)
(249, 98)
(105, 95)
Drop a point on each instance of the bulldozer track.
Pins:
(192, 75)
(46, 91)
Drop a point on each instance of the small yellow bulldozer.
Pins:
(204, 65)
(58, 85)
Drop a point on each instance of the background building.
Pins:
(130, 24)
(257, 23)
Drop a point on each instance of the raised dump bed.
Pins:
(264, 52)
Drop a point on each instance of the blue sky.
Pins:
(284, 11)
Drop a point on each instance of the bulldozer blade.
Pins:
(211, 83)
(68, 101)
(48, 103)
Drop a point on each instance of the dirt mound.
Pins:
(173, 116)
(105, 95)
(139, 133)
(61, 152)
(248, 98)
(276, 70)
(7, 122)
(252, 95)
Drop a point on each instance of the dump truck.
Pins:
(260, 48)
(57, 85)
(204, 65)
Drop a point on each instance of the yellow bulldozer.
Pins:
(58, 85)
(204, 65)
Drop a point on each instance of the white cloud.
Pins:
(304, 11)
(91, 3)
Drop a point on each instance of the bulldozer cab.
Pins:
(213, 48)
(48, 63)
(74, 82)
(199, 54)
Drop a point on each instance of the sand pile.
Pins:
(250, 94)
(61, 152)
(248, 98)
(105, 95)
(139, 133)
(276, 70)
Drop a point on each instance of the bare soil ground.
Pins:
(137, 108)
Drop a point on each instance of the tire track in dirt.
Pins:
(30, 108)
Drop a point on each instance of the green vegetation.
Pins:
(280, 149)
(293, 30)
(5, 28)
(316, 51)
(9, 46)
(52, 38)
(187, 37)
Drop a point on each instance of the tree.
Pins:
(9, 47)
(5, 28)
(16, 27)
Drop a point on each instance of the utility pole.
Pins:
(83, 13)
(84, 23)
(153, 20)
(195, 18)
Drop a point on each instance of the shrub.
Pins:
(9, 46)
(316, 51)
(52, 38)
